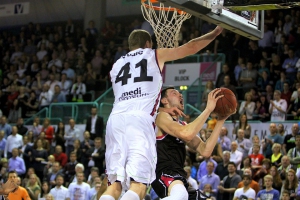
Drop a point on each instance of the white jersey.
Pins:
(276, 115)
(137, 81)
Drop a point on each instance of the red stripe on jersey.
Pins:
(156, 103)
(156, 59)
(162, 136)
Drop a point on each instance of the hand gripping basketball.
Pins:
(213, 98)
(226, 105)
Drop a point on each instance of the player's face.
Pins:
(175, 99)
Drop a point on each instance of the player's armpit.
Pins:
(194, 143)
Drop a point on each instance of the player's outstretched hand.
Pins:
(9, 186)
(173, 111)
(212, 99)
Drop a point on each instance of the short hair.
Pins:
(267, 160)
(95, 169)
(79, 165)
(138, 39)
(97, 138)
(256, 145)
(59, 175)
(270, 177)
(211, 163)
(12, 172)
(276, 145)
(226, 152)
(231, 163)
(163, 94)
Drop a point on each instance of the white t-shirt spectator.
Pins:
(276, 115)
(78, 191)
(250, 193)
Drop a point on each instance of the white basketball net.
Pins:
(166, 23)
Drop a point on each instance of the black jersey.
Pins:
(171, 154)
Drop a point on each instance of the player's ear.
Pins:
(163, 101)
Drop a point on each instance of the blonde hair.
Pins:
(269, 177)
(276, 145)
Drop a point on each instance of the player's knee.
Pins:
(179, 192)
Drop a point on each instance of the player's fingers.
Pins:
(216, 92)
(219, 97)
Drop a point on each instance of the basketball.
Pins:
(227, 104)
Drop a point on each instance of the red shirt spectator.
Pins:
(48, 129)
(59, 156)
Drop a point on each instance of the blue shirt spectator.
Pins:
(4, 126)
(16, 163)
(202, 171)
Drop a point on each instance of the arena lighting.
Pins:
(183, 87)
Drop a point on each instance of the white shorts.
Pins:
(130, 148)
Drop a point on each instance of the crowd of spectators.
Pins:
(63, 63)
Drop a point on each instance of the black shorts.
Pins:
(160, 185)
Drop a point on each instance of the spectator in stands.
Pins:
(78, 189)
(77, 149)
(52, 82)
(293, 153)
(45, 97)
(228, 85)
(33, 187)
(267, 40)
(68, 71)
(280, 83)
(15, 112)
(277, 184)
(269, 192)
(289, 65)
(60, 156)
(235, 155)
(288, 25)
(224, 140)
(51, 177)
(202, 171)
(229, 183)
(295, 106)
(248, 77)
(246, 191)
(39, 156)
(272, 138)
(59, 191)
(285, 167)
(42, 52)
(16, 163)
(278, 107)
(222, 168)
(238, 69)
(20, 125)
(210, 178)
(48, 130)
(58, 96)
(70, 136)
(295, 92)
(2, 143)
(65, 84)
(276, 156)
(209, 86)
(291, 184)
(225, 71)
(25, 152)
(244, 144)
(256, 158)
(247, 106)
(191, 181)
(32, 105)
(289, 139)
(13, 141)
(55, 61)
(278, 33)
(243, 124)
(78, 90)
(253, 184)
(69, 169)
(16, 55)
(44, 190)
(97, 155)
(94, 124)
(4, 126)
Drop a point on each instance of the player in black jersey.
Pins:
(172, 135)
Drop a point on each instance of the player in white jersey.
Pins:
(278, 107)
(130, 138)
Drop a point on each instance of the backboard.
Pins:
(246, 23)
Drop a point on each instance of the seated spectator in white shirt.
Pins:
(59, 191)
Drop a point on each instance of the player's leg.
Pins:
(112, 192)
(177, 191)
(136, 191)
(115, 158)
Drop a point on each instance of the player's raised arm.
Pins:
(166, 123)
(190, 48)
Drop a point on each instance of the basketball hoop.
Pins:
(165, 21)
